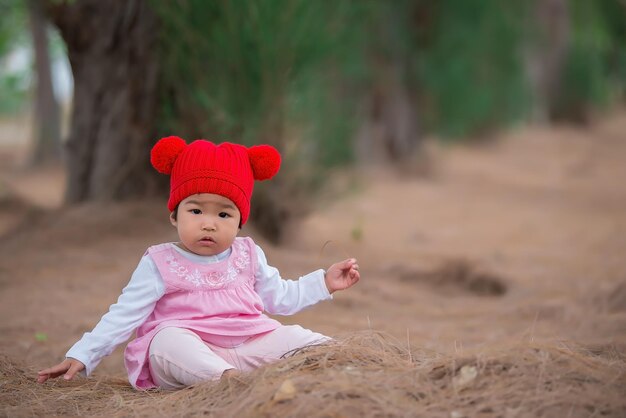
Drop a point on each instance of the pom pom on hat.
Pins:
(165, 152)
(264, 160)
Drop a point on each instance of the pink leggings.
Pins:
(179, 358)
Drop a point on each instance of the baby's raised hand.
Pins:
(342, 275)
(68, 367)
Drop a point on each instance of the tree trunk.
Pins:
(47, 116)
(546, 54)
(390, 132)
(111, 48)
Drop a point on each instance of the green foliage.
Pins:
(292, 72)
(13, 94)
(614, 17)
(260, 71)
(595, 72)
(12, 24)
(469, 64)
(13, 33)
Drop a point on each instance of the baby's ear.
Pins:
(165, 152)
(265, 161)
(173, 220)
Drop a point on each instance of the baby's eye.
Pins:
(224, 215)
(195, 211)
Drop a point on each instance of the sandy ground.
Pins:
(522, 238)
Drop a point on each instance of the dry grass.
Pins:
(362, 374)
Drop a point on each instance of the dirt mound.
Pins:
(14, 209)
(616, 299)
(361, 374)
(455, 276)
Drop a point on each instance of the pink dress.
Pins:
(216, 301)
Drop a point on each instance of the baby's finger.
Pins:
(52, 372)
(75, 368)
(347, 264)
(55, 370)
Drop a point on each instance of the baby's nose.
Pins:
(208, 225)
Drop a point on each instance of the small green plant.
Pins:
(357, 232)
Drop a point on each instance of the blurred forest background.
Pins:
(329, 83)
(469, 153)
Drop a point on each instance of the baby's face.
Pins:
(207, 223)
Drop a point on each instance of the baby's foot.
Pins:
(230, 374)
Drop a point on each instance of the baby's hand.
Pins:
(342, 275)
(69, 367)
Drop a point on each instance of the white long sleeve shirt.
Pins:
(146, 287)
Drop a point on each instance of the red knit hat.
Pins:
(226, 169)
